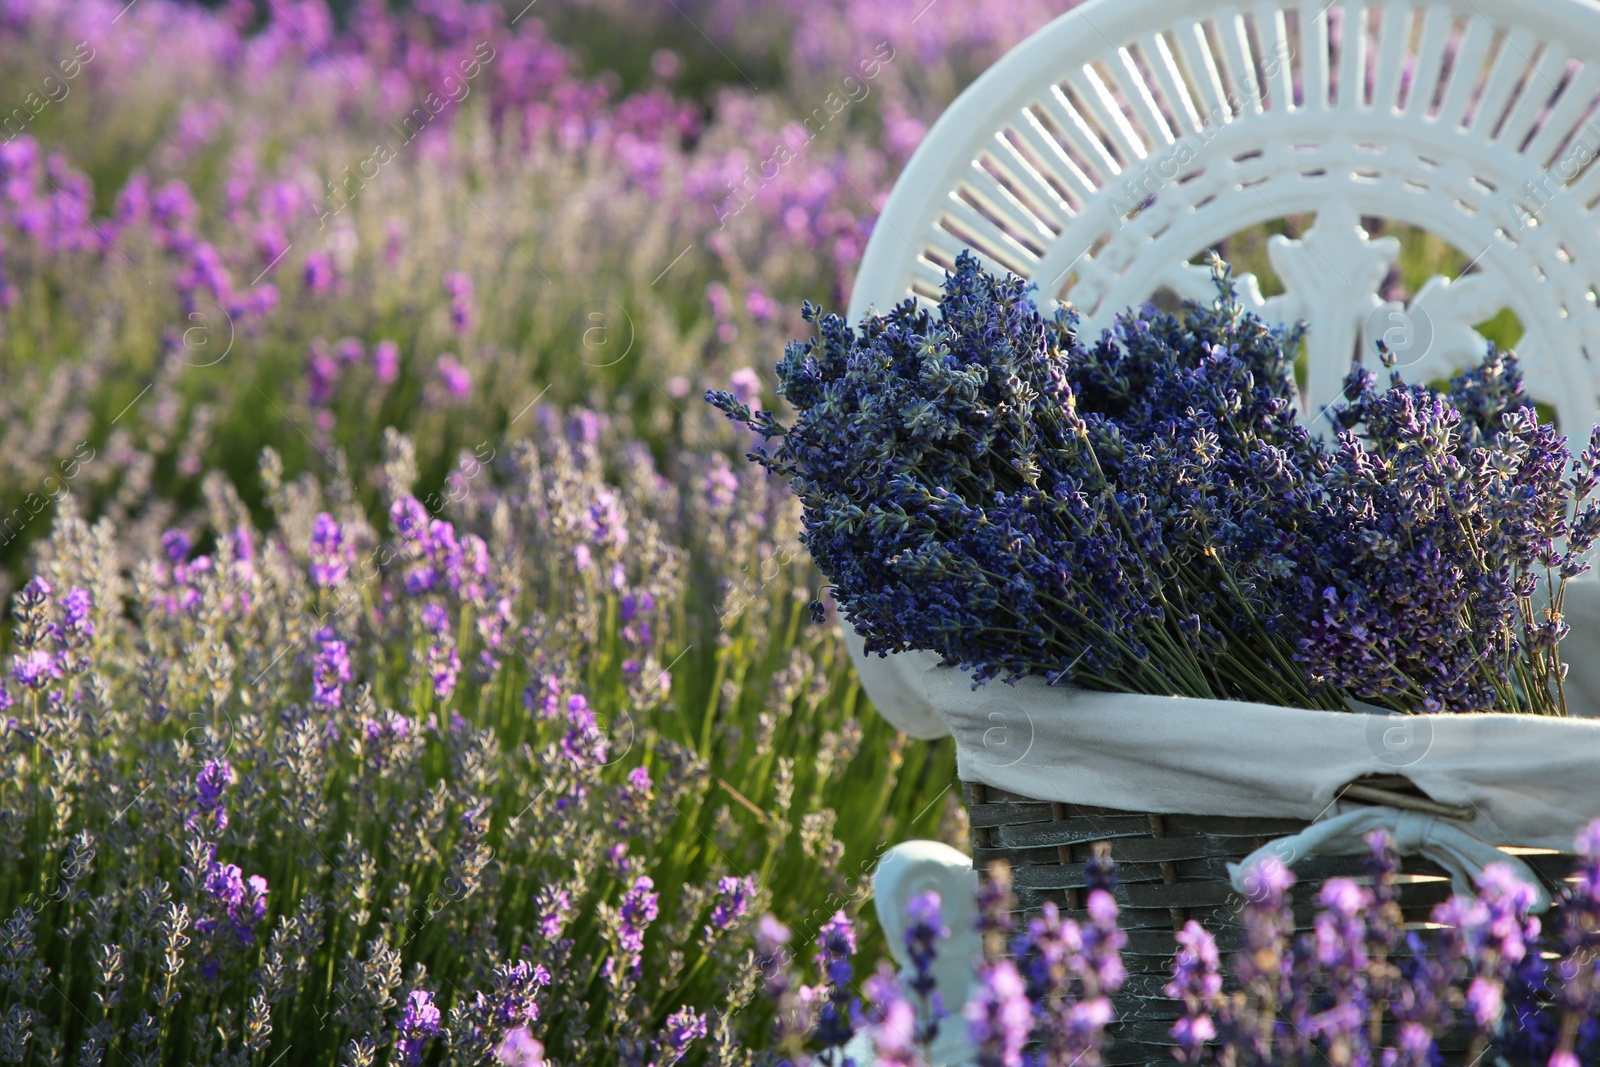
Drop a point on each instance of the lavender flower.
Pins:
(733, 900)
(836, 946)
(520, 1049)
(420, 1022)
(999, 1017)
(1341, 951)
(923, 932)
(1197, 982)
(683, 1028)
(35, 668)
(891, 1021)
(243, 901)
(555, 905)
(444, 665)
(459, 288)
(639, 907)
(457, 381)
(210, 786)
(331, 671)
(330, 555)
(982, 485)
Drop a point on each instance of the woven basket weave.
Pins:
(1171, 868)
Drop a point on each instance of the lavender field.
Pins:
(402, 664)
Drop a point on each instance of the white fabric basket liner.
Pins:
(1533, 781)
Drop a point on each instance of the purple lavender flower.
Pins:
(76, 624)
(459, 288)
(177, 545)
(1197, 981)
(420, 1022)
(1102, 942)
(891, 1021)
(584, 742)
(1497, 931)
(994, 919)
(242, 900)
(457, 381)
(35, 668)
(923, 932)
(554, 908)
(683, 1028)
(520, 1049)
(330, 672)
(443, 667)
(435, 619)
(409, 518)
(210, 787)
(733, 900)
(330, 555)
(543, 697)
(772, 955)
(386, 361)
(1341, 950)
(319, 274)
(836, 945)
(639, 906)
(999, 1017)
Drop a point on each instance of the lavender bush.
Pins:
(427, 788)
(1485, 978)
(1146, 513)
(306, 230)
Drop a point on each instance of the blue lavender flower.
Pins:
(836, 947)
(922, 935)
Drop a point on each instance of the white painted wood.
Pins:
(1113, 147)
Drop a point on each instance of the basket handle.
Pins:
(1387, 792)
(1414, 832)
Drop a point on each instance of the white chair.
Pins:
(1104, 154)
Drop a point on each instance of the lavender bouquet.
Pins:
(1147, 513)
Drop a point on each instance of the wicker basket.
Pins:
(1170, 868)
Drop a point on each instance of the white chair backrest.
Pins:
(1108, 150)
